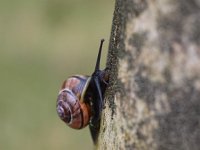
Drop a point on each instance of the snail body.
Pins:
(80, 100)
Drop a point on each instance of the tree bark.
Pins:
(153, 98)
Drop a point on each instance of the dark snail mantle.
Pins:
(80, 100)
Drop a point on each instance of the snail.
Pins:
(80, 100)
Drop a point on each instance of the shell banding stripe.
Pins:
(66, 90)
(68, 105)
(82, 120)
(77, 84)
(76, 112)
(65, 104)
(84, 89)
(61, 111)
(81, 88)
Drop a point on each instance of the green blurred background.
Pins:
(42, 42)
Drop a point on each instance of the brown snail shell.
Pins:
(71, 107)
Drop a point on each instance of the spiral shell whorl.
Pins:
(64, 109)
(71, 110)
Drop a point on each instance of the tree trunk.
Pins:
(153, 98)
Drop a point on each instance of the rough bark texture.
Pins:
(153, 99)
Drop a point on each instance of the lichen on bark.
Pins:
(153, 98)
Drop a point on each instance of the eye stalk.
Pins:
(99, 56)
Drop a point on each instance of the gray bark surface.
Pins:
(153, 98)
